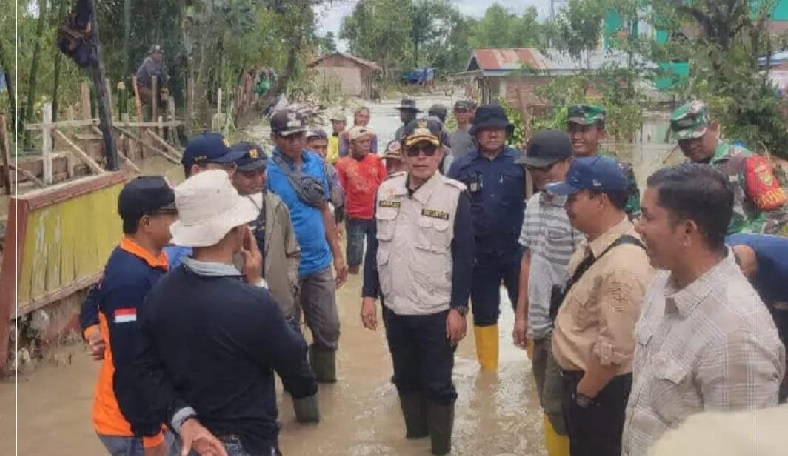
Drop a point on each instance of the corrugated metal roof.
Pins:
(500, 62)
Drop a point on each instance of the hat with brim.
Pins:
(412, 140)
(230, 157)
(252, 166)
(561, 189)
(209, 207)
(491, 125)
(536, 162)
(408, 105)
(491, 116)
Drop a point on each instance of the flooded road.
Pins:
(497, 414)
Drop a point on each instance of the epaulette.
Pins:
(391, 176)
(454, 183)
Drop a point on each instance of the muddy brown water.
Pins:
(497, 414)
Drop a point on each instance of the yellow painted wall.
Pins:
(67, 242)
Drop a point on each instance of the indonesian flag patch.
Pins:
(125, 315)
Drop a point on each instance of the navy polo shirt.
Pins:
(307, 220)
(497, 191)
(771, 280)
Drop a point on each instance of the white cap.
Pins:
(208, 208)
(358, 131)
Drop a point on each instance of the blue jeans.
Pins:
(132, 446)
(357, 230)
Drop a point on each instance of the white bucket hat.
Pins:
(208, 208)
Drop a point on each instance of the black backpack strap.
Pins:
(584, 265)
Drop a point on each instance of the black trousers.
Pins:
(422, 356)
(595, 430)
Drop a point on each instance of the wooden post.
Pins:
(172, 135)
(189, 101)
(112, 113)
(46, 149)
(154, 101)
(219, 101)
(6, 154)
(85, 98)
(102, 98)
(137, 99)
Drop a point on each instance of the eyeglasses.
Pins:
(428, 149)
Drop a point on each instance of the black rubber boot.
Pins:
(441, 421)
(306, 409)
(323, 364)
(414, 409)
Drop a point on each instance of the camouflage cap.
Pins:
(585, 114)
(690, 120)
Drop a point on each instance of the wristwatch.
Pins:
(582, 400)
(462, 310)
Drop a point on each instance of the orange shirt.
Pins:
(360, 178)
(107, 417)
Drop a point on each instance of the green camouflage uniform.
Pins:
(692, 121)
(589, 115)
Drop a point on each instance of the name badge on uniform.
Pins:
(431, 213)
(475, 183)
(386, 203)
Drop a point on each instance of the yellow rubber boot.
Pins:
(557, 445)
(487, 346)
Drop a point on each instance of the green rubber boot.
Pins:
(414, 409)
(306, 409)
(323, 364)
(441, 421)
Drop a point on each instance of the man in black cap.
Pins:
(440, 111)
(152, 66)
(299, 177)
(497, 188)
(317, 140)
(146, 206)
(419, 264)
(407, 113)
(548, 240)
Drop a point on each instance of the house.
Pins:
(514, 74)
(354, 75)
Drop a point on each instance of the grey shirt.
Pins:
(461, 143)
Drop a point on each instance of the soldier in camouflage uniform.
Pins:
(586, 126)
(760, 202)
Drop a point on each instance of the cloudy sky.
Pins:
(331, 17)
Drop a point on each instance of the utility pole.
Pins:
(102, 98)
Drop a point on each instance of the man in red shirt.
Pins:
(360, 175)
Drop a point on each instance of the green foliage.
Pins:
(579, 26)
(501, 28)
(518, 137)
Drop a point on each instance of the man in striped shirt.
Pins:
(549, 241)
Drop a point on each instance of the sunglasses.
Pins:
(428, 149)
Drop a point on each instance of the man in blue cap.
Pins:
(207, 150)
(496, 185)
(593, 334)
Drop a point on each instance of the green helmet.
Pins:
(690, 120)
(584, 114)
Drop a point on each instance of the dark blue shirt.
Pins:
(771, 279)
(497, 191)
(307, 220)
(213, 343)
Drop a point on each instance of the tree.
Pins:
(377, 30)
(579, 26)
(500, 28)
(327, 44)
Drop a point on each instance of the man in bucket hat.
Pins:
(212, 336)
(760, 202)
(497, 188)
(585, 124)
(407, 113)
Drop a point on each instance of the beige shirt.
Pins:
(598, 315)
(710, 346)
